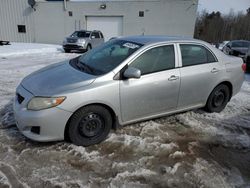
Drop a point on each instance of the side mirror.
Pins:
(132, 72)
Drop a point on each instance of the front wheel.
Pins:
(90, 125)
(67, 50)
(218, 99)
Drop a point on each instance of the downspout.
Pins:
(65, 4)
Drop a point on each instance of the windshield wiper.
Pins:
(84, 67)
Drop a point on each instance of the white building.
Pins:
(51, 21)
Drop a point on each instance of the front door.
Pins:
(157, 90)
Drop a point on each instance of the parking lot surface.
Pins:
(191, 149)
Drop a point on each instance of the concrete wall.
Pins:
(50, 23)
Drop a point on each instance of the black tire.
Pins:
(218, 99)
(89, 125)
(88, 47)
(66, 50)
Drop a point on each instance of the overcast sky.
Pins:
(224, 6)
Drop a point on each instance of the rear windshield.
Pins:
(241, 44)
(81, 34)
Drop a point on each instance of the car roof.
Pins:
(150, 39)
(241, 41)
(87, 31)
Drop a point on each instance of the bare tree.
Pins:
(215, 27)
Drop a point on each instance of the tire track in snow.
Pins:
(10, 174)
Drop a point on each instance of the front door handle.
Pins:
(173, 77)
(214, 70)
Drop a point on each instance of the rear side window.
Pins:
(155, 60)
(101, 35)
(96, 34)
(195, 55)
(241, 44)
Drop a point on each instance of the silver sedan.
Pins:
(125, 80)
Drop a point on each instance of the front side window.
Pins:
(240, 44)
(195, 55)
(81, 34)
(155, 60)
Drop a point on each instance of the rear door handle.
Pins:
(173, 77)
(214, 70)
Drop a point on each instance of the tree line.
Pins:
(215, 27)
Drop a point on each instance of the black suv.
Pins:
(237, 48)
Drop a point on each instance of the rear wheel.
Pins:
(89, 125)
(218, 99)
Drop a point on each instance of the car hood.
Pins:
(76, 38)
(243, 51)
(55, 79)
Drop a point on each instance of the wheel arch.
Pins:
(228, 84)
(89, 44)
(115, 122)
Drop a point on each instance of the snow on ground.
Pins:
(16, 49)
(191, 149)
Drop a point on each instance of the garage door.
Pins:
(110, 26)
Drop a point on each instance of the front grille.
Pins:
(72, 46)
(72, 40)
(20, 98)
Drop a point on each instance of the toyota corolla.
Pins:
(125, 80)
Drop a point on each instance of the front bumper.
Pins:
(74, 46)
(51, 122)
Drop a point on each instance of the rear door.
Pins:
(158, 88)
(199, 73)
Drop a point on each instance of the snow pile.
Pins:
(17, 49)
(205, 173)
(4, 181)
(142, 145)
(229, 127)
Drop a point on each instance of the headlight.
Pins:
(82, 41)
(40, 103)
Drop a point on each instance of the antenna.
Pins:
(32, 3)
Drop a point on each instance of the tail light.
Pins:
(244, 67)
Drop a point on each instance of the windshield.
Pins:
(241, 44)
(105, 58)
(81, 34)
